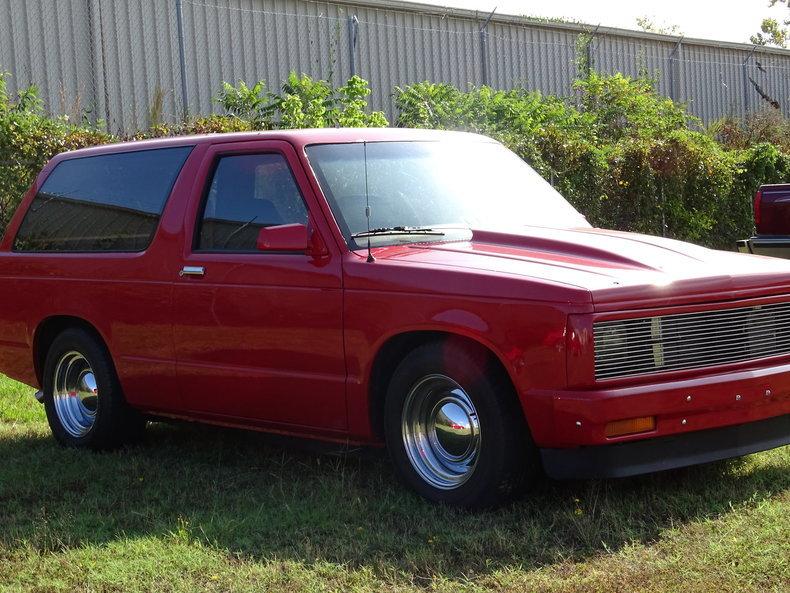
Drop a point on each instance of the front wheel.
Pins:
(454, 427)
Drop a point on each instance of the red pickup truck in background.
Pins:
(771, 221)
(427, 291)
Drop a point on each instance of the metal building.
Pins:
(120, 60)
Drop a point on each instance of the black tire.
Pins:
(506, 461)
(116, 423)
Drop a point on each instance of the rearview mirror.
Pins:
(284, 237)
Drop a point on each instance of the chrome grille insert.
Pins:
(629, 347)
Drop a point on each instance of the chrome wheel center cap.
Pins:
(441, 431)
(453, 429)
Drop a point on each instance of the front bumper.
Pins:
(698, 418)
(680, 405)
(774, 246)
(669, 452)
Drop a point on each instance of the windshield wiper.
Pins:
(398, 230)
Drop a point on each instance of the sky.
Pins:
(725, 20)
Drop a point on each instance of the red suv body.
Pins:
(624, 353)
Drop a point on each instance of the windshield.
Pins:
(447, 187)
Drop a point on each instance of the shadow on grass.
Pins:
(245, 494)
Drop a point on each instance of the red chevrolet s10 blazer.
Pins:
(424, 290)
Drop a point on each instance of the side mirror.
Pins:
(284, 237)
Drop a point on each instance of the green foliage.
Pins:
(765, 125)
(28, 139)
(247, 103)
(303, 102)
(772, 32)
(584, 58)
(352, 103)
(623, 106)
(623, 155)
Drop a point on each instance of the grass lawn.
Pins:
(204, 509)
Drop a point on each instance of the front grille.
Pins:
(629, 347)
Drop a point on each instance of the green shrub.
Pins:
(250, 104)
(622, 107)
(303, 102)
(765, 125)
(28, 139)
(623, 155)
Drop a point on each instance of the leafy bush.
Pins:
(28, 139)
(766, 125)
(303, 103)
(246, 103)
(622, 107)
(623, 155)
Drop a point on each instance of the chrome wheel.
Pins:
(441, 431)
(75, 394)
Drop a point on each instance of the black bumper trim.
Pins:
(662, 453)
(775, 246)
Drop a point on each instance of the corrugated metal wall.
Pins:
(48, 43)
(255, 40)
(115, 60)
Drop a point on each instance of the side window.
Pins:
(247, 193)
(109, 202)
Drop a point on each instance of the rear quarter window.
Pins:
(109, 202)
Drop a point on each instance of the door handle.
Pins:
(192, 271)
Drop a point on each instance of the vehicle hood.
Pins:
(614, 269)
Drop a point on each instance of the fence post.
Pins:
(353, 33)
(484, 49)
(745, 74)
(673, 67)
(98, 57)
(182, 58)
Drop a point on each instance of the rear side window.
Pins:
(108, 202)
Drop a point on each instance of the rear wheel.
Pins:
(82, 396)
(454, 427)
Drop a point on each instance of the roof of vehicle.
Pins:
(299, 138)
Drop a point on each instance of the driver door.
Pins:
(258, 335)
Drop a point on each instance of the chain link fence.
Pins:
(131, 63)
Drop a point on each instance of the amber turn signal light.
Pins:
(620, 428)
